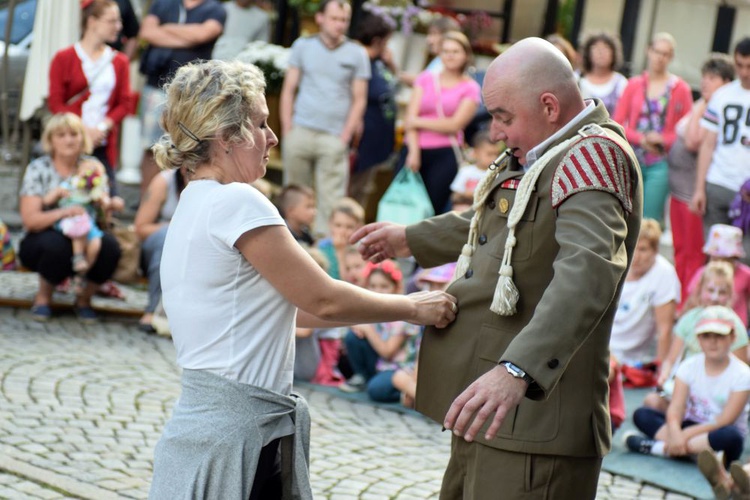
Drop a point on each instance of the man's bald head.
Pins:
(531, 92)
(534, 66)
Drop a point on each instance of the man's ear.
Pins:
(550, 106)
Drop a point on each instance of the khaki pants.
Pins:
(479, 472)
(318, 160)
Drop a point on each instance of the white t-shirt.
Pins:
(467, 179)
(728, 114)
(224, 316)
(609, 92)
(94, 109)
(709, 395)
(634, 330)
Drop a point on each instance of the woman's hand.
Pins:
(72, 211)
(413, 160)
(434, 308)
(54, 195)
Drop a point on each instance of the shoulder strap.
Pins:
(439, 104)
(109, 57)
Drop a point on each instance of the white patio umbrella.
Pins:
(57, 24)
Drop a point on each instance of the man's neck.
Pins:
(330, 41)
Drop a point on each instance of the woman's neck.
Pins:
(658, 76)
(208, 172)
(65, 165)
(600, 74)
(92, 46)
(449, 75)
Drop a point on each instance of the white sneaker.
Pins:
(356, 383)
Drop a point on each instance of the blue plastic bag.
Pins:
(406, 200)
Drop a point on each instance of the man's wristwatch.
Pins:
(516, 372)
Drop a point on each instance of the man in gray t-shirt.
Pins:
(329, 74)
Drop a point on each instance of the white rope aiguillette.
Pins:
(506, 295)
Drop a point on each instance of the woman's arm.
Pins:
(683, 103)
(122, 103)
(146, 219)
(34, 218)
(294, 274)
(414, 157)
(58, 89)
(450, 124)
(623, 110)
(695, 133)
(664, 316)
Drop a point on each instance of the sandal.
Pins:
(78, 284)
(713, 471)
(41, 312)
(86, 314)
(147, 328)
(740, 478)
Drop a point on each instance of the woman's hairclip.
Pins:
(86, 3)
(188, 132)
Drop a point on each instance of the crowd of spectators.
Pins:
(678, 324)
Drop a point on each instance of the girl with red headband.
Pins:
(377, 350)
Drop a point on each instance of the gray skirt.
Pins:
(211, 445)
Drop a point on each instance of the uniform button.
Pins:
(491, 204)
(469, 273)
(482, 239)
(552, 363)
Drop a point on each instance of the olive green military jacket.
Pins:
(574, 247)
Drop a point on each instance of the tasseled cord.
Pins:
(506, 294)
(480, 194)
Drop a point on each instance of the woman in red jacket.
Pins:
(92, 80)
(649, 109)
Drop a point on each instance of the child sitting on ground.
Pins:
(376, 350)
(724, 243)
(353, 267)
(297, 205)
(346, 217)
(714, 289)
(484, 153)
(709, 408)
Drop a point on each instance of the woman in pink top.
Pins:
(649, 109)
(441, 105)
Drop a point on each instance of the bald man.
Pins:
(520, 377)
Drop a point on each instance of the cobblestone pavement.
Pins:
(82, 406)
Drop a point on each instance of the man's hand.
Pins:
(491, 396)
(381, 240)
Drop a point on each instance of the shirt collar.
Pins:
(539, 149)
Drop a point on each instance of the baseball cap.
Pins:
(715, 319)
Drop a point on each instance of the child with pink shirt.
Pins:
(725, 244)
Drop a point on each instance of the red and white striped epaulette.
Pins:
(595, 163)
